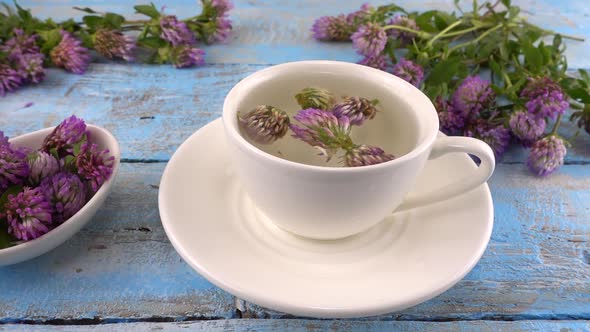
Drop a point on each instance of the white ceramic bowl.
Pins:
(57, 236)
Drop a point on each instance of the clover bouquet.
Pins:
(490, 73)
(28, 44)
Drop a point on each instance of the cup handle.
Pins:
(442, 146)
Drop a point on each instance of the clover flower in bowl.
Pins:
(52, 182)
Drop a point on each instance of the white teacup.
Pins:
(286, 183)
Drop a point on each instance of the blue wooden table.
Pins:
(121, 273)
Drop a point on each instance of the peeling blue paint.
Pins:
(536, 268)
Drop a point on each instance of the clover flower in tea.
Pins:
(364, 155)
(317, 98)
(322, 130)
(264, 124)
(323, 123)
(357, 109)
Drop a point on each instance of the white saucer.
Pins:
(409, 258)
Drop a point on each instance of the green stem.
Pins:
(136, 22)
(418, 33)
(476, 40)
(506, 79)
(132, 27)
(440, 34)
(505, 107)
(195, 24)
(464, 31)
(516, 63)
(196, 17)
(474, 62)
(491, 10)
(347, 144)
(144, 32)
(556, 125)
(576, 105)
(550, 32)
(470, 62)
(487, 4)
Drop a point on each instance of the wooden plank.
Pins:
(150, 109)
(122, 268)
(153, 109)
(275, 31)
(259, 325)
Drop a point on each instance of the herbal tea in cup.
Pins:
(328, 149)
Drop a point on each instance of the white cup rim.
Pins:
(248, 83)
